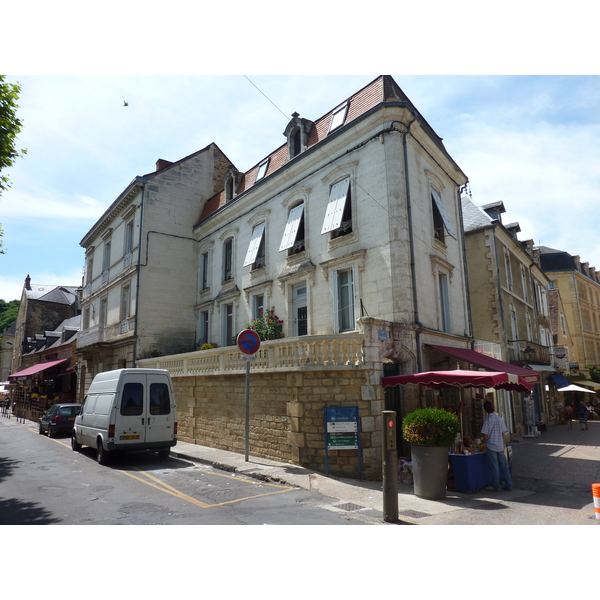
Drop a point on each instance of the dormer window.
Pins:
(338, 117)
(262, 169)
(231, 181)
(297, 133)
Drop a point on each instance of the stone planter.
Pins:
(430, 470)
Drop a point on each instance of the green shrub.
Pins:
(430, 427)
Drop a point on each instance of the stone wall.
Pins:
(286, 416)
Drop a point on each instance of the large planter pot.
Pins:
(430, 470)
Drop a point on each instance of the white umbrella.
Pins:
(575, 388)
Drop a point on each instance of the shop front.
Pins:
(468, 470)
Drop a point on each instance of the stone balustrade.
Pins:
(300, 353)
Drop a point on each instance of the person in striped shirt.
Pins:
(493, 431)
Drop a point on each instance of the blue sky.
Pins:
(531, 141)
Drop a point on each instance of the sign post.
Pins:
(248, 342)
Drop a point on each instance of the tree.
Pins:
(10, 127)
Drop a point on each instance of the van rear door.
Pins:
(131, 421)
(161, 409)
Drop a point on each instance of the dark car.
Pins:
(59, 418)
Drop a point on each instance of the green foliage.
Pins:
(10, 126)
(206, 347)
(8, 314)
(594, 373)
(430, 427)
(268, 326)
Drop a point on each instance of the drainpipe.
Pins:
(143, 182)
(411, 242)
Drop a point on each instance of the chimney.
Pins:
(161, 164)
(28, 282)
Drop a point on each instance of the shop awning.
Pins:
(487, 362)
(575, 388)
(36, 369)
(592, 384)
(460, 379)
(560, 380)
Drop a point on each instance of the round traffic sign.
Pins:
(248, 341)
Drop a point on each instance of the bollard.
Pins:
(596, 495)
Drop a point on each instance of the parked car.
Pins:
(59, 418)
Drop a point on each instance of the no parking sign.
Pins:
(248, 341)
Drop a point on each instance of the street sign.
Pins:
(248, 341)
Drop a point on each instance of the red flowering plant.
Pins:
(268, 326)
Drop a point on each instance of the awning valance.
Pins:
(487, 362)
(36, 369)
(460, 379)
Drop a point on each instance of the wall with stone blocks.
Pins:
(286, 416)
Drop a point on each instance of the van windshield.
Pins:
(159, 399)
(132, 399)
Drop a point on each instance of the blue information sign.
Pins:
(248, 341)
(342, 432)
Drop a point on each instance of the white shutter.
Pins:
(291, 228)
(336, 302)
(335, 207)
(257, 234)
(440, 205)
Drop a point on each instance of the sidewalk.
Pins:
(552, 473)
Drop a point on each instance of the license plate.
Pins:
(129, 437)
(71, 418)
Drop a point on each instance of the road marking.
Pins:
(165, 487)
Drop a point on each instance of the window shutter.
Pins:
(291, 228)
(438, 201)
(335, 207)
(257, 234)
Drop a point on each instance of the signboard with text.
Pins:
(342, 432)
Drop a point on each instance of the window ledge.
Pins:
(342, 240)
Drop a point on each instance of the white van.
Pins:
(128, 409)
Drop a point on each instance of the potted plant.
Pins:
(431, 432)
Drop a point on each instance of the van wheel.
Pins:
(164, 453)
(75, 445)
(101, 453)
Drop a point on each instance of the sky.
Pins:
(532, 142)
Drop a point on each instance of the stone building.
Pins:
(579, 287)
(510, 310)
(141, 264)
(351, 231)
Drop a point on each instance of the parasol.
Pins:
(575, 388)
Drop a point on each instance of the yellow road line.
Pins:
(161, 485)
(164, 487)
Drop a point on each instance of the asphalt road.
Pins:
(43, 482)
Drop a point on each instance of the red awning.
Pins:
(461, 379)
(487, 362)
(37, 368)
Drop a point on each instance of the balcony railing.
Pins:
(300, 353)
(521, 352)
(105, 334)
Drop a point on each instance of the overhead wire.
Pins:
(333, 160)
